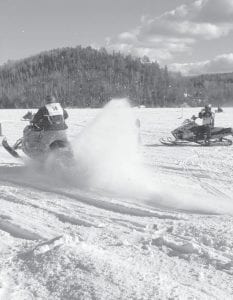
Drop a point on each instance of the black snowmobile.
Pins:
(190, 133)
(219, 110)
(39, 144)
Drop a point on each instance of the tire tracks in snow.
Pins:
(90, 200)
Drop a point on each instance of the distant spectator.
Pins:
(138, 125)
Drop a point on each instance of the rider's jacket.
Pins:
(50, 117)
(207, 117)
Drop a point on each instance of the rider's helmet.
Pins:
(208, 107)
(50, 99)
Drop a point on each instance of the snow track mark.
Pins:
(16, 231)
(80, 197)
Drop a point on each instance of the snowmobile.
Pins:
(39, 144)
(190, 133)
(219, 110)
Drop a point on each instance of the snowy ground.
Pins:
(118, 226)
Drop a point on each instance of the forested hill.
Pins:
(81, 77)
(86, 77)
(214, 88)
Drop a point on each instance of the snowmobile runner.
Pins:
(39, 144)
(10, 149)
(190, 133)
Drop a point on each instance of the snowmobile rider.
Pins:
(207, 117)
(51, 116)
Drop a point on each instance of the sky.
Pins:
(190, 36)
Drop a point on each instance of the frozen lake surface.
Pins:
(127, 221)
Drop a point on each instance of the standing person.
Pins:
(51, 116)
(138, 125)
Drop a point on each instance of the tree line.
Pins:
(86, 77)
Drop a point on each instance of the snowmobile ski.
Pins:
(171, 142)
(10, 149)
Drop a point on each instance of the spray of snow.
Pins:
(108, 154)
